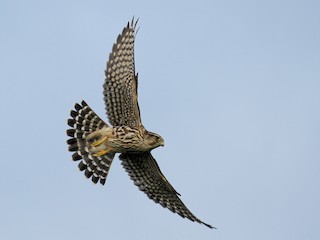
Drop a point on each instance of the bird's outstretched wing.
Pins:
(84, 121)
(145, 172)
(120, 87)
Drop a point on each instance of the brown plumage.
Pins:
(95, 142)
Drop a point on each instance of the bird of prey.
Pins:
(95, 143)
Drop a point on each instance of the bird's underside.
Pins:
(95, 143)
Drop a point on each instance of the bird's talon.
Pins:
(98, 142)
(100, 153)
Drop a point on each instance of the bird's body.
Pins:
(122, 139)
(95, 143)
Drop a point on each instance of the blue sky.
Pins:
(232, 86)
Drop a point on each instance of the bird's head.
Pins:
(155, 140)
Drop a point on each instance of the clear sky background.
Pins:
(232, 86)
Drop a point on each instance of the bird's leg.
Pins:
(99, 141)
(96, 138)
(101, 152)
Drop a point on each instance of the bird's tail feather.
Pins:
(84, 121)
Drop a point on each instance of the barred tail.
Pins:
(83, 122)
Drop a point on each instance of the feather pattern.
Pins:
(121, 83)
(147, 176)
(84, 121)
